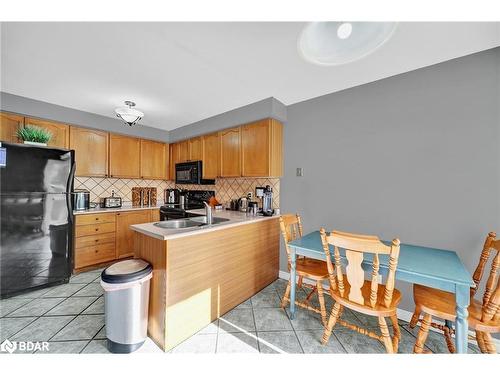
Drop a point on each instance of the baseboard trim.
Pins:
(402, 314)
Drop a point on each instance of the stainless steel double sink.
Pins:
(191, 222)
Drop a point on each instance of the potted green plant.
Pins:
(33, 135)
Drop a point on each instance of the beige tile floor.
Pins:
(71, 318)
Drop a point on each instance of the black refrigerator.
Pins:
(36, 217)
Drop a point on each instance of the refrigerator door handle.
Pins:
(69, 190)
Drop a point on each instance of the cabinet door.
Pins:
(155, 215)
(125, 235)
(210, 157)
(60, 132)
(8, 127)
(174, 158)
(124, 156)
(183, 151)
(153, 160)
(230, 165)
(255, 150)
(195, 149)
(91, 151)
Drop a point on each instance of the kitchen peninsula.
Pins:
(201, 272)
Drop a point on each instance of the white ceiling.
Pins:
(179, 73)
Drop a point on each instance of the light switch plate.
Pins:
(300, 172)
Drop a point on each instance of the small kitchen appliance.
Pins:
(111, 202)
(81, 200)
(171, 196)
(267, 201)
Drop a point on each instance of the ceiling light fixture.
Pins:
(337, 43)
(128, 114)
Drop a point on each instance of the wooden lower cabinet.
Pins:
(124, 235)
(199, 278)
(105, 237)
(94, 239)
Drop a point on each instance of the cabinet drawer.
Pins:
(90, 255)
(96, 239)
(88, 230)
(96, 218)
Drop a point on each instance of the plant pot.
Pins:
(35, 143)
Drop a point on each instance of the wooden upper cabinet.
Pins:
(210, 156)
(183, 151)
(195, 148)
(60, 132)
(91, 151)
(153, 159)
(124, 156)
(230, 142)
(174, 158)
(8, 127)
(125, 235)
(262, 149)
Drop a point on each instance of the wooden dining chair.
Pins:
(352, 291)
(484, 315)
(312, 269)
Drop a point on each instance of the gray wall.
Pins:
(414, 156)
(269, 107)
(36, 108)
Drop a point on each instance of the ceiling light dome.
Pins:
(336, 43)
(128, 114)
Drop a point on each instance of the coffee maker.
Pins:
(267, 201)
(171, 196)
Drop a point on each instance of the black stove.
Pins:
(193, 200)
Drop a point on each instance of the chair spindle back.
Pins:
(291, 229)
(355, 246)
(491, 296)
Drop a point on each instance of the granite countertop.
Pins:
(127, 206)
(236, 218)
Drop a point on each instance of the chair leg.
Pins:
(396, 332)
(415, 317)
(422, 334)
(331, 323)
(299, 282)
(286, 295)
(386, 338)
(480, 342)
(489, 344)
(321, 299)
(449, 340)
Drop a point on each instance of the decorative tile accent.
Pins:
(226, 189)
(100, 187)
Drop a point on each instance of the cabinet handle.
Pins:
(97, 229)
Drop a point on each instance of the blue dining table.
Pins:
(436, 268)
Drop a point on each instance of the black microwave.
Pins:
(191, 172)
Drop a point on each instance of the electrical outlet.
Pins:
(300, 172)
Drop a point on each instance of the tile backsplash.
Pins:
(225, 189)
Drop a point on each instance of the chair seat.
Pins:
(379, 310)
(442, 305)
(311, 268)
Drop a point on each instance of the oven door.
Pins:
(188, 173)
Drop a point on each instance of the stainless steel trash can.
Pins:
(126, 300)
